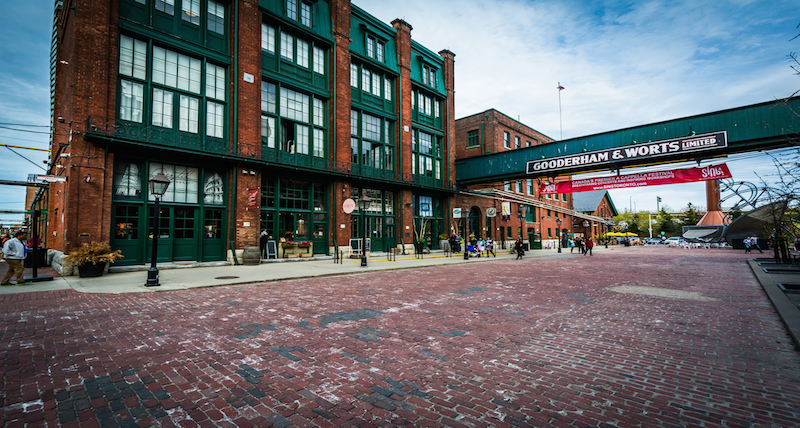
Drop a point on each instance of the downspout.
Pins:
(232, 218)
(333, 207)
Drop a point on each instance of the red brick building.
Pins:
(265, 115)
(520, 209)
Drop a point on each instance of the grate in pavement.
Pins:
(226, 277)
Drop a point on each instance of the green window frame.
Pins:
(293, 121)
(427, 153)
(473, 138)
(506, 140)
(372, 140)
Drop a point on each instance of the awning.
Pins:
(698, 233)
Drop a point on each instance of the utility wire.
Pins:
(22, 124)
(23, 157)
(32, 132)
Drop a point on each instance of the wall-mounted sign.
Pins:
(456, 212)
(252, 199)
(348, 205)
(675, 176)
(491, 212)
(676, 146)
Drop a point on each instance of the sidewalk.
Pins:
(177, 276)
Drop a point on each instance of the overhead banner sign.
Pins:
(694, 143)
(675, 176)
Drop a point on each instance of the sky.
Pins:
(622, 64)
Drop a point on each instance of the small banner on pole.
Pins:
(675, 176)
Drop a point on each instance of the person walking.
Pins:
(589, 246)
(518, 248)
(571, 245)
(14, 251)
(747, 243)
(490, 247)
(754, 243)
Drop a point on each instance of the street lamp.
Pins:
(585, 227)
(464, 217)
(363, 203)
(158, 186)
(558, 232)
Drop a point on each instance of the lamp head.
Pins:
(159, 184)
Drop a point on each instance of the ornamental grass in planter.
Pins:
(91, 258)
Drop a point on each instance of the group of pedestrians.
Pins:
(584, 245)
(751, 242)
(475, 247)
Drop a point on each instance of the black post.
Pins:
(364, 240)
(35, 214)
(466, 253)
(559, 241)
(152, 273)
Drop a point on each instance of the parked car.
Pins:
(653, 241)
(675, 241)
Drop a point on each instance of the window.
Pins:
(305, 14)
(319, 61)
(215, 120)
(127, 180)
(428, 75)
(506, 140)
(214, 190)
(548, 213)
(564, 197)
(507, 186)
(162, 108)
(519, 186)
(131, 101)
(176, 70)
(473, 138)
(216, 17)
(184, 184)
(302, 53)
(516, 142)
(291, 9)
(530, 186)
(527, 143)
(353, 75)
(166, 6)
(132, 57)
(191, 11)
(268, 97)
(287, 46)
(387, 89)
(301, 123)
(294, 105)
(267, 38)
(188, 114)
(215, 82)
(371, 142)
(375, 48)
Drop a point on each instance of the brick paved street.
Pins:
(633, 337)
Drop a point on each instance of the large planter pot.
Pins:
(91, 271)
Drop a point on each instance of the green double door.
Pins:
(183, 234)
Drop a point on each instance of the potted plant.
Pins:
(91, 258)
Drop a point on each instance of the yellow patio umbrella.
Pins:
(628, 234)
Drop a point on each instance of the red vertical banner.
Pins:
(252, 199)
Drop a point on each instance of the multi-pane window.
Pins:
(375, 48)
(291, 9)
(428, 75)
(191, 11)
(371, 141)
(166, 6)
(371, 82)
(267, 38)
(516, 142)
(131, 104)
(300, 127)
(427, 154)
(302, 53)
(506, 140)
(507, 186)
(519, 186)
(530, 186)
(216, 17)
(174, 93)
(527, 143)
(319, 61)
(184, 185)
(132, 57)
(287, 46)
(473, 138)
(305, 14)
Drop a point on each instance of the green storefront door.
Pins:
(375, 232)
(213, 236)
(128, 234)
(164, 235)
(184, 240)
(320, 232)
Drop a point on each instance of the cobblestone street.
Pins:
(637, 337)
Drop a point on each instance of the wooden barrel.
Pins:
(251, 256)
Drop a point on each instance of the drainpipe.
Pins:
(232, 218)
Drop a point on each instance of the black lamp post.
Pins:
(585, 231)
(465, 217)
(558, 232)
(363, 203)
(158, 186)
